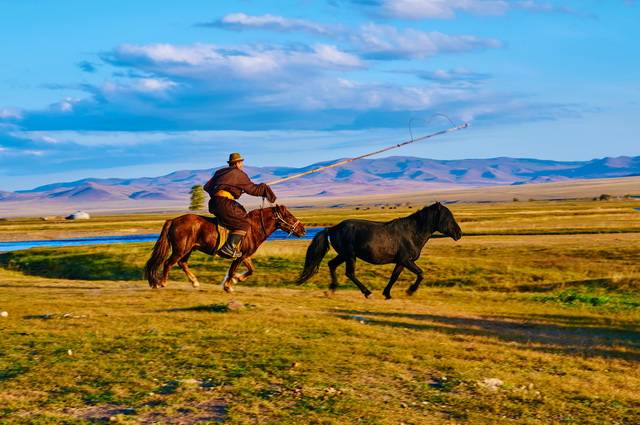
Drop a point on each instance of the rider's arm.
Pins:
(208, 187)
(251, 188)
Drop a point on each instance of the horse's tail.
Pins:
(315, 253)
(152, 270)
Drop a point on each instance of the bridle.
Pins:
(284, 225)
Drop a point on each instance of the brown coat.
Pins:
(236, 182)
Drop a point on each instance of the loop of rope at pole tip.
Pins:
(430, 120)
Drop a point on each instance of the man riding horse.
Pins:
(224, 188)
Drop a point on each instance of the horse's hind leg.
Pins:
(250, 269)
(230, 279)
(168, 264)
(351, 274)
(333, 265)
(394, 276)
(419, 275)
(185, 267)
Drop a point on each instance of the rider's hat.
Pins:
(235, 157)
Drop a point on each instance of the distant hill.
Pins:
(369, 176)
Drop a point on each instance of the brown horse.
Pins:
(188, 232)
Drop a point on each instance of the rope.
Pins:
(347, 161)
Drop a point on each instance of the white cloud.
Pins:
(384, 41)
(65, 105)
(153, 85)
(241, 60)
(440, 9)
(447, 9)
(10, 113)
(451, 75)
(242, 21)
(372, 40)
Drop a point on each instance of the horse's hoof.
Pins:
(387, 296)
(329, 294)
(410, 292)
(196, 284)
(368, 296)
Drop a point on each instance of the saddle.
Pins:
(223, 233)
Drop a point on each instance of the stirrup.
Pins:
(228, 251)
(231, 248)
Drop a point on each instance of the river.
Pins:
(100, 240)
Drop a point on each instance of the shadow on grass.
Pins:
(37, 285)
(68, 265)
(211, 308)
(566, 337)
(570, 320)
(12, 372)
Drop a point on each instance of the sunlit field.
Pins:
(532, 317)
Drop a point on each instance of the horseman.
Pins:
(227, 185)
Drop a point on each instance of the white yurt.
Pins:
(79, 215)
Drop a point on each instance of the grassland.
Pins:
(541, 217)
(533, 317)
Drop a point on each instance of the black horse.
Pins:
(398, 241)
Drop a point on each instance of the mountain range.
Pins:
(368, 176)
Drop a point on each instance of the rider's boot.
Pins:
(231, 248)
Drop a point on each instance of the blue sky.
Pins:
(125, 89)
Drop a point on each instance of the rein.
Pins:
(287, 227)
(264, 228)
(292, 227)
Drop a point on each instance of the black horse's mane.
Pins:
(421, 216)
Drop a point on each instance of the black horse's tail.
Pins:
(315, 253)
(152, 270)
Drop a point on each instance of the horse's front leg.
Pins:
(419, 275)
(230, 279)
(351, 274)
(394, 276)
(250, 269)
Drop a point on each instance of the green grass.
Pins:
(607, 300)
(554, 317)
(526, 218)
(504, 263)
(293, 356)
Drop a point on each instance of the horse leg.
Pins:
(419, 275)
(351, 274)
(394, 276)
(333, 265)
(250, 269)
(230, 279)
(185, 267)
(168, 264)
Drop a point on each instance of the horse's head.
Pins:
(445, 223)
(287, 222)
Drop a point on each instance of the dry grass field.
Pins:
(532, 317)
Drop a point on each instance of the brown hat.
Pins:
(235, 157)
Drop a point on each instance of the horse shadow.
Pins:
(207, 308)
(558, 334)
(74, 266)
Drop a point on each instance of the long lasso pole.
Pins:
(346, 161)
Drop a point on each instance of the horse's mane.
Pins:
(420, 216)
(257, 211)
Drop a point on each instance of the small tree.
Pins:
(197, 198)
